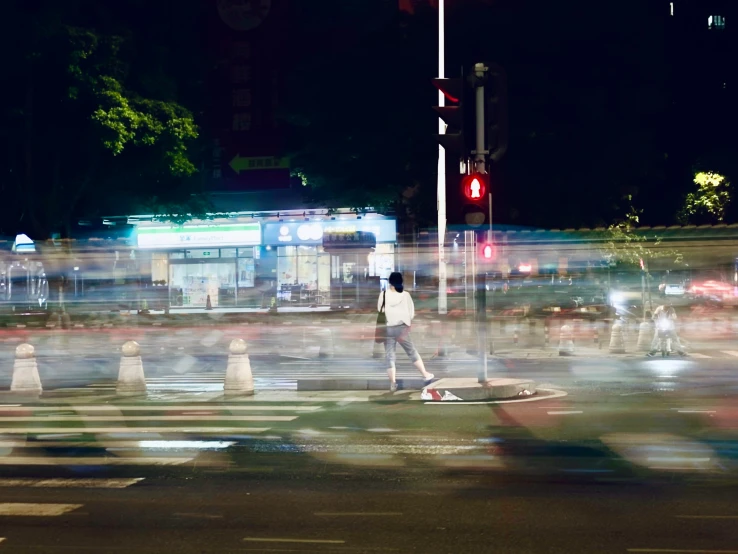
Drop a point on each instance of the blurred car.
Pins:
(674, 289)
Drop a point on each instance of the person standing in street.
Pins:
(400, 311)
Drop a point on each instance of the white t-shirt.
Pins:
(399, 307)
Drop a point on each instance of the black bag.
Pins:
(380, 332)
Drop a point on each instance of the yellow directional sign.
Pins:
(239, 164)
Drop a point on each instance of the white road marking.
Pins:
(83, 418)
(707, 517)
(356, 514)
(565, 412)
(696, 411)
(731, 352)
(71, 483)
(94, 430)
(534, 398)
(123, 408)
(677, 459)
(40, 461)
(698, 356)
(306, 541)
(677, 551)
(130, 443)
(43, 510)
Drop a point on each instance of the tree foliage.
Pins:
(709, 203)
(625, 244)
(93, 121)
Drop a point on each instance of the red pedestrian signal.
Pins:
(488, 251)
(474, 187)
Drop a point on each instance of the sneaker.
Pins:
(393, 387)
(429, 380)
(651, 354)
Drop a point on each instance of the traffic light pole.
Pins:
(480, 74)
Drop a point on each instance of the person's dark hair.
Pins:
(395, 279)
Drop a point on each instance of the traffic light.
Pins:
(495, 113)
(452, 114)
(474, 189)
(489, 251)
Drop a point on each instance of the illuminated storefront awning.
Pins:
(312, 232)
(195, 235)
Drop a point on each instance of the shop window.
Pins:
(191, 284)
(159, 268)
(247, 252)
(176, 255)
(382, 261)
(227, 252)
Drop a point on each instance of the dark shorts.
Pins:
(399, 334)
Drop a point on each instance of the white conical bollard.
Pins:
(617, 338)
(566, 341)
(238, 380)
(131, 380)
(645, 336)
(25, 371)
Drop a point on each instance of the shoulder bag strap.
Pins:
(384, 299)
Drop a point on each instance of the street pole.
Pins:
(490, 240)
(441, 180)
(480, 72)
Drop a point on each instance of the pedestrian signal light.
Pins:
(474, 187)
(488, 251)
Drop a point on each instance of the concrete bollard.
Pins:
(596, 332)
(566, 341)
(645, 336)
(516, 335)
(239, 380)
(546, 337)
(131, 380)
(25, 371)
(617, 338)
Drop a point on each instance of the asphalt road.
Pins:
(369, 512)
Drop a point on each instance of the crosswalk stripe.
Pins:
(698, 356)
(92, 461)
(731, 353)
(43, 510)
(139, 444)
(108, 430)
(83, 418)
(137, 408)
(70, 483)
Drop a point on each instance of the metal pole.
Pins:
(480, 71)
(441, 180)
(490, 240)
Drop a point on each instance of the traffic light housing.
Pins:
(495, 113)
(474, 191)
(452, 114)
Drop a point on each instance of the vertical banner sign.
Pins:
(248, 41)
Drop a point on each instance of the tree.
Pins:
(92, 124)
(708, 204)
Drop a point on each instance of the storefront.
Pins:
(252, 262)
(310, 272)
(197, 261)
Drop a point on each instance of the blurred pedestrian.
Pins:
(400, 311)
